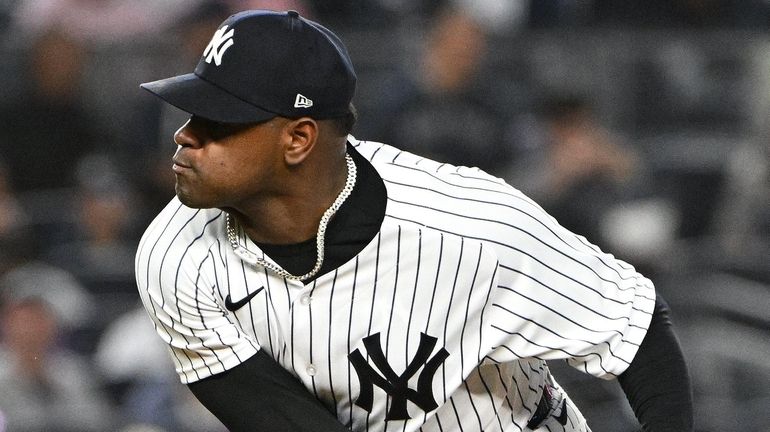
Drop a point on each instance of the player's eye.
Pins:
(214, 129)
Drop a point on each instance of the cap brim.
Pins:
(194, 95)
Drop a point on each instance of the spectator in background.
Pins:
(73, 305)
(452, 110)
(17, 243)
(101, 251)
(495, 16)
(147, 396)
(101, 244)
(586, 170)
(12, 216)
(96, 21)
(593, 183)
(45, 132)
(45, 386)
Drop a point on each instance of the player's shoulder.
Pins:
(176, 217)
(412, 177)
(178, 227)
(462, 201)
(389, 159)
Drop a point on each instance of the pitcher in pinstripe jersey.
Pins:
(305, 280)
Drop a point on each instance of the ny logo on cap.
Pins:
(220, 42)
(302, 102)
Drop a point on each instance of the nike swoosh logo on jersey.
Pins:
(234, 306)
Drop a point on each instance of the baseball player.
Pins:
(306, 280)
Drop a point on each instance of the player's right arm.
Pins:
(222, 365)
(260, 395)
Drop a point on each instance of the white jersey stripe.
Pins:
(482, 320)
(140, 257)
(573, 355)
(219, 293)
(435, 282)
(554, 249)
(469, 401)
(497, 202)
(350, 341)
(492, 401)
(197, 307)
(163, 298)
(559, 293)
(539, 261)
(414, 293)
(162, 261)
(285, 289)
(197, 303)
(519, 399)
(332, 335)
(609, 347)
(539, 239)
(374, 286)
(448, 314)
(507, 392)
(394, 296)
(457, 418)
(556, 312)
(249, 288)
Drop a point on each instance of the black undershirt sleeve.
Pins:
(657, 383)
(259, 395)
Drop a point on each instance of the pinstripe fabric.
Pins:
(461, 259)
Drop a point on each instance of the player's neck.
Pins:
(294, 216)
(282, 222)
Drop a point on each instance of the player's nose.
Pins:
(185, 136)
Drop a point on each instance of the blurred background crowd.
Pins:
(642, 125)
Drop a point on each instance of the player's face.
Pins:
(225, 165)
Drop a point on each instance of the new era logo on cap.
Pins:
(220, 42)
(302, 102)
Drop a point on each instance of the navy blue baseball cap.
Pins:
(262, 64)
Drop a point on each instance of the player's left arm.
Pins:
(657, 383)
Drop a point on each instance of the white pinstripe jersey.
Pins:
(460, 298)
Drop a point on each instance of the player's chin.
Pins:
(191, 197)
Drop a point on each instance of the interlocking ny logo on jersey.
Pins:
(397, 386)
(220, 42)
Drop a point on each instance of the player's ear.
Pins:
(302, 135)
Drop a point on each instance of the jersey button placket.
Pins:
(311, 370)
(303, 316)
(304, 299)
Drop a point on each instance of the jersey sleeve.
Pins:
(560, 297)
(176, 277)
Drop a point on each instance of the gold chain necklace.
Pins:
(252, 258)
